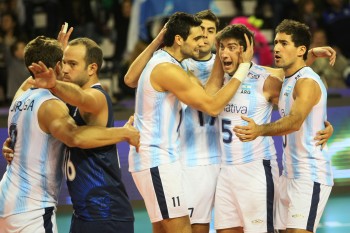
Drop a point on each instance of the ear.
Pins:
(301, 51)
(92, 69)
(58, 68)
(178, 40)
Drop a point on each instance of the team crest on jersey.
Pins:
(246, 89)
(288, 90)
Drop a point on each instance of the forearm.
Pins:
(310, 57)
(132, 76)
(215, 105)
(215, 80)
(94, 136)
(69, 93)
(226, 93)
(283, 126)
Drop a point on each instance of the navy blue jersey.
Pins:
(94, 178)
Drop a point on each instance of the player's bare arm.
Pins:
(215, 81)
(89, 100)
(321, 52)
(132, 76)
(272, 88)
(170, 77)
(306, 94)
(54, 118)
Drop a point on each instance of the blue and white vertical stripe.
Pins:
(157, 117)
(33, 179)
(301, 157)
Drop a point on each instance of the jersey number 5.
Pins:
(226, 128)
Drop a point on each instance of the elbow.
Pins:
(214, 112)
(129, 81)
(211, 110)
(76, 141)
(296, 126)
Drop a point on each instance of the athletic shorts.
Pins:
(38, 221)
(199, 186)
(81, 226)
(162, 191)
(245, 197)
(301, 203)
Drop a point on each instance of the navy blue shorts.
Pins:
(80, 226)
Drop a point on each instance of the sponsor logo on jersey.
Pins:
(234, 108)
(253, 75)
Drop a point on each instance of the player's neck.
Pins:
(93, 79)
(292, 69)
(205, 57)
(175, 53)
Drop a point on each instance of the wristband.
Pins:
(242, 71)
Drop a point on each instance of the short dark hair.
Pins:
(300, 33)
(208, 15)
(236, 31)
(44, 49)
(180, 24)
(93, 53)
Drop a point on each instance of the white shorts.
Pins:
(245, 197)
(301, 203)
(199, 186)
(38, 221)
(162, 191)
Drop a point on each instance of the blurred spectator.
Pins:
(122, 12)
(43, 17)
(336, 20)
(309, 14)
(238, 5)
(262, 51)
(332, 76)
(9, 33)
(9, 28)
(282, 9)
(17, 71)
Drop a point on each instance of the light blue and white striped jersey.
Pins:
(157, 117)
(301, 157)
(199, 132)
(249, 101)
(33, 180)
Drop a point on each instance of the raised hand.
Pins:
(247, 55)
(43, 77)
(160, 37)
(63, 37)
(325, 52)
